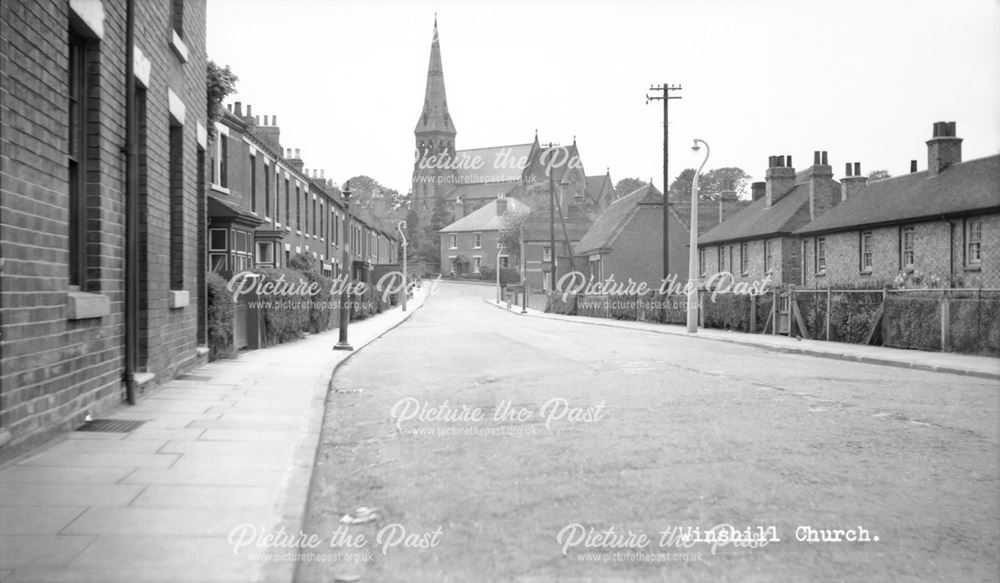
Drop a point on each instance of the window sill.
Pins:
(973, 268)
(866, 272)
(221, 189)
(83, 305)
(180, 49)
(178, 299)
(820, 273)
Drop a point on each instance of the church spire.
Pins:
(435, 117)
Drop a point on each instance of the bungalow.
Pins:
(757, 242)
(941, 223)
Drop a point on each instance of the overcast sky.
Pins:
(862, 80)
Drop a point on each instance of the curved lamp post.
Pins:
(692, 285)
(499, 251)
(400, 227)
(345, 296)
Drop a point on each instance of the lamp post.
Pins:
(552, 228)
(345, 296)
(406, 290)
(692, 285)
(499, 251)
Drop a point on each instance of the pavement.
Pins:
(945, 362)
(226, 452)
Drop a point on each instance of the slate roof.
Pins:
(758, 220)
(596, 186)
(614, 218)
(494, 167)
(959, 189)
(485, 218)
(481, 191)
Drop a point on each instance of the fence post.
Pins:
(774, 312)
(945, 322)
(828, 304)
(753, 314)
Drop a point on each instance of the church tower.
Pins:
(435, 139)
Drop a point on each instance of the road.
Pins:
(610, 434)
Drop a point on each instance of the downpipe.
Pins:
(131, 212)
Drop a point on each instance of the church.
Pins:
(451, 184)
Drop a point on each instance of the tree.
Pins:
(878, 175)
(628, 185)
(221, 83)
(711, 184)
(510, 230)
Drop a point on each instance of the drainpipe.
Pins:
(131, 212)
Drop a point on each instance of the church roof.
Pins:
(494, 164)
(486, 218)
(481, 191)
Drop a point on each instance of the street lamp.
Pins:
(345, 296)
(692, 286)
(499, 251)
(400, 227)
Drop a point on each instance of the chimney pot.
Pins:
(256, 119)
(322, 174)
(816, 157)
(857, 168)
(239, 109)
(824, 158)
(913, 165)
(297, 154)
(229, 106)
(847, 169)
(788, 161)
(274, 120)
(249, 110)
(951, 129)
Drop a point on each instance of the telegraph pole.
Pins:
(665, 90)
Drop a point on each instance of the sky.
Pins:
(863, 80)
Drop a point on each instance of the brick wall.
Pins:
(938, 249)
(466, 249)
(785, 265)
(57, 369)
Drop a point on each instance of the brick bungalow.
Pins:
(101, 251)
(758, 241)
(943, 222)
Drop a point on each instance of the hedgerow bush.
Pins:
(285, 316)
(220, 317)
(554, 304)
(508, 275)
(727, 311)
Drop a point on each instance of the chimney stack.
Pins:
(239, 109)
(943, 149)
(727, 200)
(501, 205)
(913, 166)
(779, 178)
(249, 111)
(853, 182)
(823, 194)
(322, 174)
(758, 190)
(268, 132)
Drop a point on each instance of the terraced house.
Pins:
(939, 226)
(103, 133)
(265, 207)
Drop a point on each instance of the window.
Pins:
(298, 209)
(177, 16)
(267, 191)
(476, 262)
(176, 190)
(314, 231)
(722, 258)
(220, 168)
(79, 91)
(242, 259)
(217, 246)
(477, 241)
(288, 205)
(547, 254)
(974, 242)
(277, 195)
(265, 253)
(253, 183)
(744, 258)
(701, 262)
(454, 242)
(820, 254)
(866, 251)
(768, 256)
(907, 247)
(504, 261)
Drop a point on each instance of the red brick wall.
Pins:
(487, 251)
(54, 369)
(785, 261)
(937, 251)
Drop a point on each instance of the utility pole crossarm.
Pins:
(665, 97)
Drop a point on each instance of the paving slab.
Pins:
(157, 504)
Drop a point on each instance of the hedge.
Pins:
(220, 317)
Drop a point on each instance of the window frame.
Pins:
(969, 242)
(745, 258)
(819, 255)
(907, 247)
(865, 256)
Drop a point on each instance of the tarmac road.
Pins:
(499, 447)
